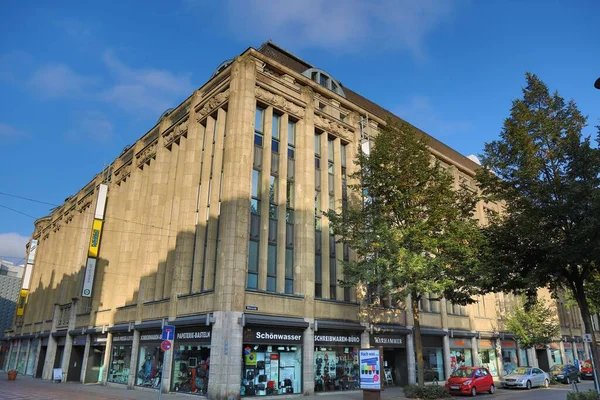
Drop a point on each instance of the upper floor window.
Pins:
(325, 80)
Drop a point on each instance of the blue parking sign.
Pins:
(168, 332)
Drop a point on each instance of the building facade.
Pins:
(10, 286)
(212, 222)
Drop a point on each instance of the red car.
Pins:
(587, 370)
(470, 380)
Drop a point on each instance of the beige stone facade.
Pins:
(211, 224)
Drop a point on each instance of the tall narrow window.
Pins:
(276, 129)
(332, 268)
(252, 278)
(344, 178)
(318, 266)
(318, 182)
(346, 259)
(290, 206)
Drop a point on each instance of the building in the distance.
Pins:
(212, 222)
(10, 286)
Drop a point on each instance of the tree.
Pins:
(535, 324)
(547, 176)
(413, 234)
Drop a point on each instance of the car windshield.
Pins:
(557, 367)
(522, 371)
(463, 373)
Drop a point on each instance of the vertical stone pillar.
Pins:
(7, 359)
(106, 361)
(86, 355)
(27, 355)
(563, 353)
(308, 358)
(167, 371)
(475, 351)
(52, 345)
(135, 349)
(411, 359)
(447, 364)
(66, 361)
(499, 360)
(365, 340)
(549, 355)
(232, 255)
(533, 361)
(17, 354)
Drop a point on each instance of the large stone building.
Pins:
(212, 222)
(10, 286)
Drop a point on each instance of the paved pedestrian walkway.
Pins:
(28, 388)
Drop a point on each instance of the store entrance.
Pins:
(395, 367)
(93, 372)
(543, 362)
(75, 364)
(41, 362)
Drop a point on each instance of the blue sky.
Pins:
(81, 80)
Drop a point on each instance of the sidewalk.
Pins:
(28, 388)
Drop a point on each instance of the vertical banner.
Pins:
(32, 250)
(95, 237)
(22, 302)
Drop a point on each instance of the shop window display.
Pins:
(433, 364)
(120, 360)
(336, 368)
(191, 365)
(22, 360)
(460, 358)
(509, 360)
(556, 356)
(31, 359)
(524, 358)
(271, 370)
(487, 359)
(149, 366)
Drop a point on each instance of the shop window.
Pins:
(120, 361)
(31, 358)
(460, 357)
(487, 359)
(271, 369)
(336, 368)
(433, 364)
(191, 363)
(149, 365)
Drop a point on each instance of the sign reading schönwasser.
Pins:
(370, 369)
(88, 279)
(273, 336)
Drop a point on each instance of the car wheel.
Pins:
(473, 392)
(528, 385)
(546, 383)
(492, 389)
(567, 380)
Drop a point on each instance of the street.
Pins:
(27, 388)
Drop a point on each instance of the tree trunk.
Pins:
(418, 342)
(579, 294)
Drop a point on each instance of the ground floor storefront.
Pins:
(260, 355)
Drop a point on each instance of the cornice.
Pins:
(203, 109)
(172, 135)
(278, 101)
(147, 154)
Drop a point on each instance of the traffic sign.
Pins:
(587, 338)
(166, 345)
(168, 332)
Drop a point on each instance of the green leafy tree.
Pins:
(412, 232)
(547, 175)
(534, 324)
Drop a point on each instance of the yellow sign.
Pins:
(95, 239)
(22, 302)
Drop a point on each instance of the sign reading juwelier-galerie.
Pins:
(370, 369)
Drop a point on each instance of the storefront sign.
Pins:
(460, 344)
(95, 238)
(508, 344)
(122, 338)
(22, 301)
(100, 340)
(267, 335)
(567, 345)
(32, 250)
(485, 344)
(370, 369)
(79, 340)
(579, 346)
(554, 346)
(151, 337)
(88, 278)
(388, 340)
(194, 335)
(330, 338)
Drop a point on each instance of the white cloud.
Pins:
(143, 89)
(12, 245)
(419, 112)
(92, 125)
(59, 80)
(341, 25)
(8, 132)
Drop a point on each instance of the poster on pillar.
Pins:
(371, 370)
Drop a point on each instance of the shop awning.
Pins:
(119, 328)
(272, 321)
(190, 320)
(323, 325)
(462, 334)
(60, 333)
(153, 324)
(433, 332)
(388, 328)
(78, 331)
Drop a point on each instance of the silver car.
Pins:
(526, 377)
